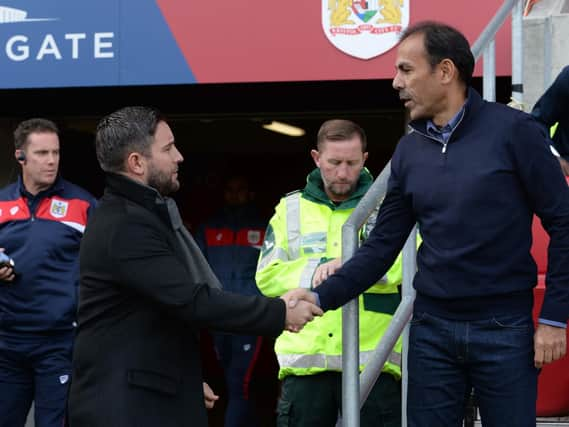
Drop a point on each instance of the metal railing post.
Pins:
(489, 72)
(518, 52)
(547, 54)
(407, 292)
(350, 311)
(350, 342)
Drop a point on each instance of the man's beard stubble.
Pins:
(336, 190)
(164, 184)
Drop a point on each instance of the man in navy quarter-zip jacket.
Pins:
(472, 174)
(42, 219)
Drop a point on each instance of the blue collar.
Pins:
(55, 188)
(444, 133)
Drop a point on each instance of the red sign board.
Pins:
(261, 40)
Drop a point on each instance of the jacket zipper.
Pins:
(443, 143)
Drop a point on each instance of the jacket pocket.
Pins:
(152, 381)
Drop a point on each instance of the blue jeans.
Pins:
(448, 358)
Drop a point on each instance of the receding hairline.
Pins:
(340, 130)
(320, 144)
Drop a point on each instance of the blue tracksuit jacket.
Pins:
(42, 234)
(231, 241)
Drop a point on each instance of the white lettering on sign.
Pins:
(18, 47)
(23, 51)
(48, 47)
(75, 37)
(100, 45)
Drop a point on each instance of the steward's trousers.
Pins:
(34, 367)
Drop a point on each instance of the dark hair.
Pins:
(125, 131)
(340, 130)
(27, 127)
(444, 42)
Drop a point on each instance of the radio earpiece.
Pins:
(21, 157)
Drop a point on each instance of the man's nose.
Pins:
(342, 171)
(397, 85)
(178, 156)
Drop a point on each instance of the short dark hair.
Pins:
(444, 42)
(123, 132)
(340, 130)
(27, 127)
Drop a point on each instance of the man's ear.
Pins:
(316, 157)
(136, 164)
(448, 71)
(20, 156)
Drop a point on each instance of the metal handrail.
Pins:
(350, 311)
(354, 394)
(489, 33)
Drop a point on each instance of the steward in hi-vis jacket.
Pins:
(304, 238)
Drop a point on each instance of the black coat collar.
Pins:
(139, 193)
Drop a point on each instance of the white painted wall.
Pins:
(546, 16)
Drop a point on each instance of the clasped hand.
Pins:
(300, 308)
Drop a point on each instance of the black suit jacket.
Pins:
(136, 360)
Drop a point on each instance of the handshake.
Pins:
(300, 308)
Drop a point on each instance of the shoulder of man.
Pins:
(291, 193)
(9, 191)
(289, 198)
(71, 190)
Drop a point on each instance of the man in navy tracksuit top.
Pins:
(231, 241)
(42, 218)
(471, 174)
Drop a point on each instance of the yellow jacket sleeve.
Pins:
(277, 271)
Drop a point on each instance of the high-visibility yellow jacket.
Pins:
(304, 232)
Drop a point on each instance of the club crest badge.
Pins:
(364, 28)
(254, 237)
(58, 208)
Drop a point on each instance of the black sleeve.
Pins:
(144, 263)
(553, 107)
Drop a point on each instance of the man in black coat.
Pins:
(146, 290)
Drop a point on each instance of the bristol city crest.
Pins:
(364, 28)
(58, 208)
